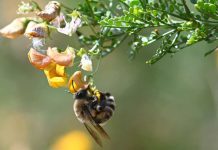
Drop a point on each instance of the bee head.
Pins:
(81, 94)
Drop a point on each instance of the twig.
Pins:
(90, 8)
(117, 45)
(187, 10)
(211, 51)
(161, 36)
(143, 5)
(90, 26)
(171, 14)
(66, 7)
(98, 65)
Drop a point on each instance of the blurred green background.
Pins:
(172, 105)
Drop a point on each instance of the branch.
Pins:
(187, 10)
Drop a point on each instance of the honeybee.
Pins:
(93, 109)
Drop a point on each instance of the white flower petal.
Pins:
(70, 27)
(66, 30)
(38, 43)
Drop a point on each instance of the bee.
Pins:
(94, 109)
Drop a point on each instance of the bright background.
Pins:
(172, 105)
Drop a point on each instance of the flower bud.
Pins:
(40, 61)
(65, 58)
(35, 30)
(86, 63)
(15, 29)
(51, 11)
(76, 82)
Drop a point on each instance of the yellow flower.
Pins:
(76, 82)
(56, 75)
(74, 140)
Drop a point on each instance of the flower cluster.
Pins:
(51, 60)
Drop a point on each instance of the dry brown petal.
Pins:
(15, 29)
(35, 30)
(65, 58)
(51, 11)
(40, 61)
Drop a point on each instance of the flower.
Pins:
(57, 22)
(75, 140)
(35, 30)
(39, 60)
(54, 72)
(56, 75)
(51, 11)
(76, 82)
(65, 58)
(25, 8)
(72, 26)
(86, 63)
(15, 29)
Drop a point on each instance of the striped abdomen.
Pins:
(102, 111)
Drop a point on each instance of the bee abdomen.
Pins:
(105, 109)
(110, 102)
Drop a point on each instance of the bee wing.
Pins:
(93, 134)
(100, 130)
